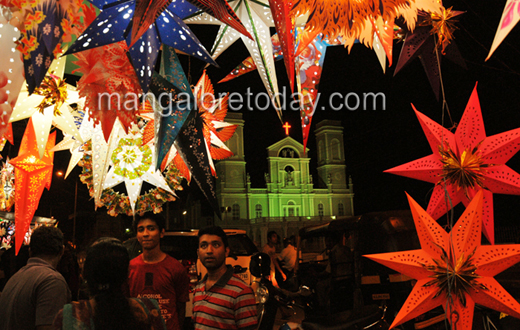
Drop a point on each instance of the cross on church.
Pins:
(286, 126)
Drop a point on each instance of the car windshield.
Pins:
(241, 245)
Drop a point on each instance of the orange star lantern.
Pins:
(453, 270)
(32, 174)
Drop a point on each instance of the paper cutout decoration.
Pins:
(213, 112)
(109, 85)
(354, 20)
(456, 257)
(132, 163)
(41, 33)
(256, 17)
(11, 71)
(420, 42)
(119, 203)
(32, 174)
(48, 104)
(85, 126)
(285, 30)
(510, 17)
(6, 187)
(166, 27)
(175, 107)
(193, 151)
(464, 162)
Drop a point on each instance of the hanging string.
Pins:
(449, 204)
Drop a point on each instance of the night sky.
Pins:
(375, 140)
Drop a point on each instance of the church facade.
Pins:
(291, 197)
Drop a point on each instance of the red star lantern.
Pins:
(464, 162)
(32, 174)
(453, 270)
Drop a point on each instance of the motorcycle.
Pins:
(270, 298)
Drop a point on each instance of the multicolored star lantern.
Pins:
(49, 103)
(464, 162)
(32, 174)
(510, 17)
(151, 23)
(257, 18)
(453, 269)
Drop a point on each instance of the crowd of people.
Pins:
(147, 292)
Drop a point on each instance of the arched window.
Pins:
(323, 152)
(320, 209)
(236, 212)
(341, 209)
(258, 209)
(335, 149)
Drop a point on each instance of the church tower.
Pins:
(331, 154)
(231, 173)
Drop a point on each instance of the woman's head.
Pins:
(106, 265)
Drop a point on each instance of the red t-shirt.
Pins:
(166, 281)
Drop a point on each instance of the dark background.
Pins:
(375, 140)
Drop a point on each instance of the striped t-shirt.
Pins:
(228, 304)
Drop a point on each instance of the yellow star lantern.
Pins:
(453, 270)
(32, 174)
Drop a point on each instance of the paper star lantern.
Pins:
(48, 104)
(163, 26)
(32, 174)
(173, 112)
(11, 71)
(285, 26)
(132, 163)
(510, 17)
(357, 20)
(109, 86)
(464, 162)
(86, 129)
(453, 269)
(256, 17)
(420, 42)
(213, 112)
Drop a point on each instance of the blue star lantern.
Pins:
(115, 23)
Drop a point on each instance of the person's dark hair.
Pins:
(155, 217)
(217, 231)
(292, 240)
(46, 241)
(105, 271)
(271, 233)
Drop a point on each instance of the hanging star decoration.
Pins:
(453, 269)
(510, 17)
(357, 20)
(109, 86)
(257, 19)
(465, 162)
(49, 103)
(32, 174)
(151, 23)
(42, 25)
(85, 126)
(132, 164)
(213, 112)
(431, 39)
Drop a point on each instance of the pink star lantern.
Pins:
(464, 162)
(453, 270)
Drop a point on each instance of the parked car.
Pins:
(183, 244)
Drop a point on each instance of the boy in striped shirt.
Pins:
(221, 300)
